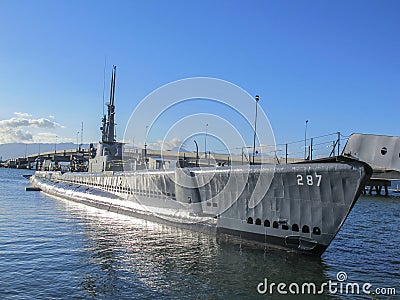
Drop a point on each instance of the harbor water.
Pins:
(55, 249)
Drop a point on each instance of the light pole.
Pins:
(55, 152)
(77, 141)
(145, 138)
(145, 145)
(205, 143)
(55, 147)
(255, 129)
(305, 141)
(38, 166)
(81, 144)
(197, 153)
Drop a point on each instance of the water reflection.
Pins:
(53, 249)
(133, 258)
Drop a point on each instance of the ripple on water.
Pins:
(52, 248)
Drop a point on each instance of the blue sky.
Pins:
(335, 63)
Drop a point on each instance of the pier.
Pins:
(382, 153)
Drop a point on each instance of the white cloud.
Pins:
(22, 115)
(24, 122)
(51, 117)
(17, 129)
(50, 138)
(47, 137)
(166, 145)
(15, 136)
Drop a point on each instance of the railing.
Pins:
(327, 145)
(323, 146)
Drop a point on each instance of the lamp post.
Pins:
(55, 152)
(197, 153)
(145, 146)
(81, 144)
(38, 166)
(77, 141)
(305, 141)
(205, 143)
(55, 147)
(255, 129)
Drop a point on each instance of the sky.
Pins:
(333, 63)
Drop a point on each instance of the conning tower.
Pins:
(109, 151)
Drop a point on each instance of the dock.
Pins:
(32, 189)
(381, 152)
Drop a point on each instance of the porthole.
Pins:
(384, 151)
(316, 231)
(295, 227)
(267, 223)
(305, 229)
(285, 227)
(258, 222)
(275, 224)
(250, 220)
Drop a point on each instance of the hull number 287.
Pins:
(309, 179)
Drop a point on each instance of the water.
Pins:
(51, 249)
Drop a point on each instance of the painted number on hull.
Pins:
(309, 179)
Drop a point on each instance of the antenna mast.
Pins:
(110, 136)
(108, 124)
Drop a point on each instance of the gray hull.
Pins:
(299, 216)
(300, 207)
